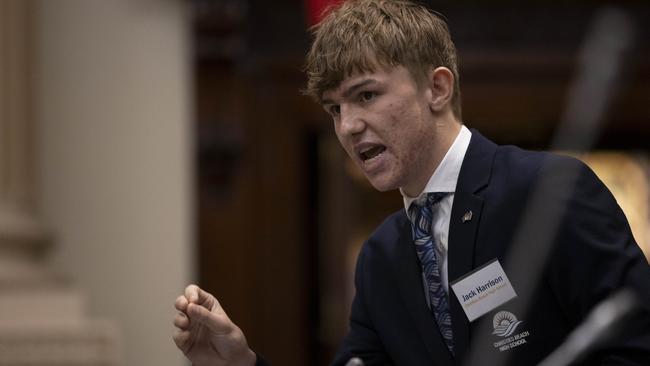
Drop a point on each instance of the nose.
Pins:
(351, 121)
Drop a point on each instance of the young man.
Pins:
(386, 73)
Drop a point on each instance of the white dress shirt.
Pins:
(444, 179)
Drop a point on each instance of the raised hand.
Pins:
(206, 335)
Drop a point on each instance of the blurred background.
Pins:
(148, 144)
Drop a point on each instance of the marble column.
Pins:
(42, 319)
(22, 236)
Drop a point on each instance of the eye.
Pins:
(334, 110)
(366, 96)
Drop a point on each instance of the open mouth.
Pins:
(371, 152)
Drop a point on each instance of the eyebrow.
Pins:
(359, 85)
(353, 88)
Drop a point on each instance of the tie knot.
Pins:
(421, 209)
(435, 197)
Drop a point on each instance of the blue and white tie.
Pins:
(421, 221)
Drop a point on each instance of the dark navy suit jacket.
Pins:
(592, 255)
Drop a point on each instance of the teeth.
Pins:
(371, 152)
(366, 152)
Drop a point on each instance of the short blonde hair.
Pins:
(357, 35)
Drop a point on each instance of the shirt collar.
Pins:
(445, 176)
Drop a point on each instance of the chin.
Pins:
(382, 185)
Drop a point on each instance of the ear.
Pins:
(441, 84)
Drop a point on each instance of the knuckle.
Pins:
(179, 321)
(199, 311)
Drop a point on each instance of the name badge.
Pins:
(483, 290)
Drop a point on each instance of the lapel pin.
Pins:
(466, 217)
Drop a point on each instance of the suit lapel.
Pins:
(463, 228)
(407, 271)
(474, 176)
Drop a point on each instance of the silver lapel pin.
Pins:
(466, 217)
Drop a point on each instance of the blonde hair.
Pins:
(358, 35)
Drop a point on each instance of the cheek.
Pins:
(339, 137)
(349, 150)
(412, 145)
(407, 130)
(408, 151)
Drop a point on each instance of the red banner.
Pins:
(315, 9)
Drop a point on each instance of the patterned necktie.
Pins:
(421, 221)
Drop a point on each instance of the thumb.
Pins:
(217, 323)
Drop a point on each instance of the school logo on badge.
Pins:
(505, 323)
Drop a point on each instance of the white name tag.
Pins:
(483, 289)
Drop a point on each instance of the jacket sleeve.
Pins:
(362, 340)
(596, 255)
(260, 361)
